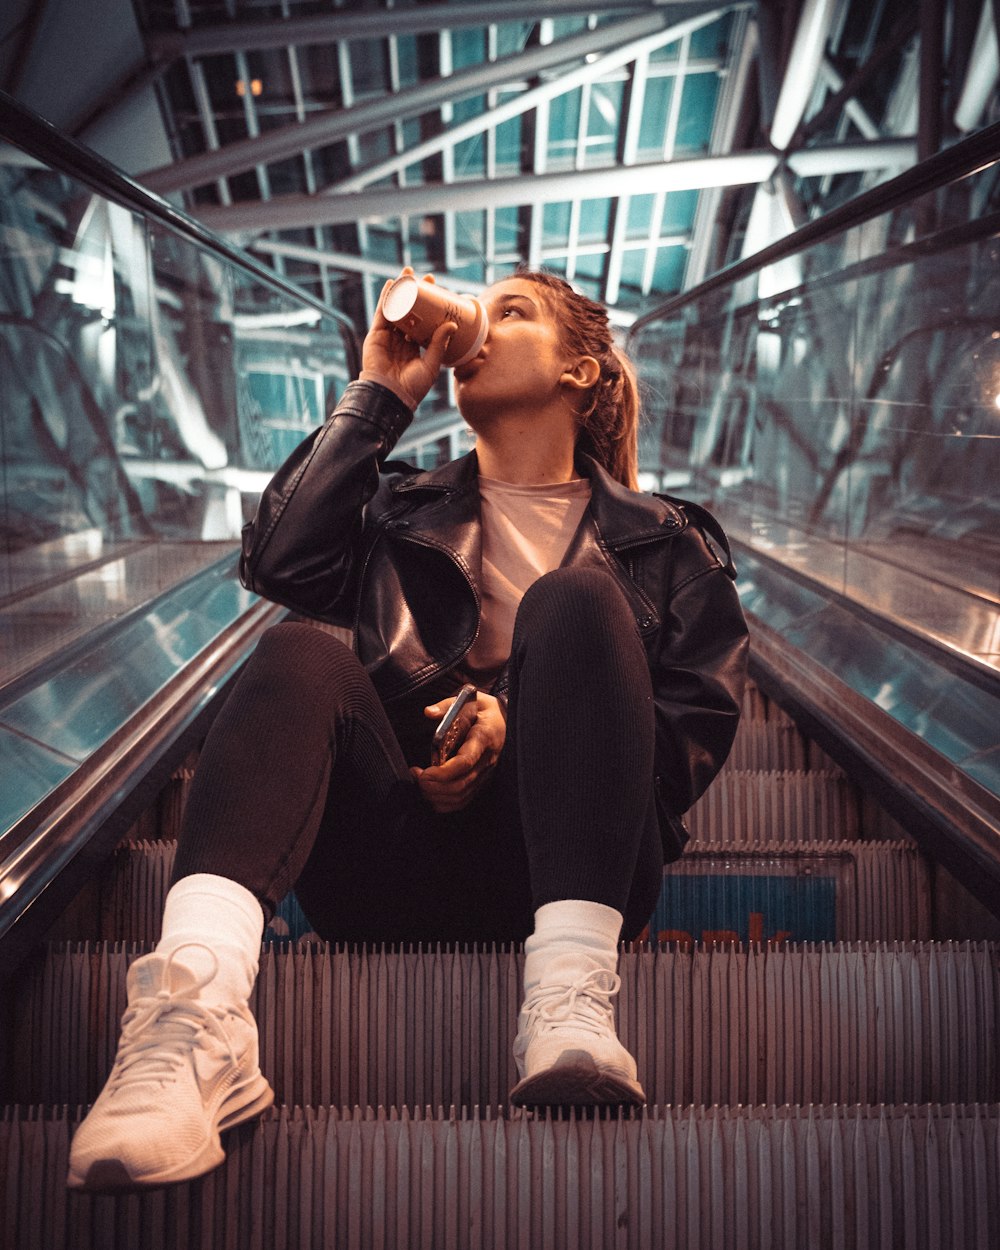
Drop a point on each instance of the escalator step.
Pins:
(788, 807)
(915, 1178)
(824, 892)
(802, 1024)
(833, 891)
(769, 745)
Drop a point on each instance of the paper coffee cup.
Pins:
(418, 308)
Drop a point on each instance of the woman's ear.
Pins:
(583, 373)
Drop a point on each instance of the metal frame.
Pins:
(532, 56)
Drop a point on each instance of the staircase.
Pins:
(821, 1072)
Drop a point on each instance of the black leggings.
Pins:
(302, 785)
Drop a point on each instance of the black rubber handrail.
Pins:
(43, 141)
(958, 161)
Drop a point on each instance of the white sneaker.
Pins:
(567, 1051)
(184, 1071)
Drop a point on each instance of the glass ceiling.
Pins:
(340, 141)
(655, 103)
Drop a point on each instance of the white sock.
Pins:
(223, 915)
(571, 938)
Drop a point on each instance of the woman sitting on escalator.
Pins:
(601, 629)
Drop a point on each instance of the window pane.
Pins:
(678, 212)
(655, 109)
(594, 216)
(555, 224)
(697, 113)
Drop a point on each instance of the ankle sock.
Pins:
(223, 915)
(572, 937)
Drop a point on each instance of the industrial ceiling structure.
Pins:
(633, 146)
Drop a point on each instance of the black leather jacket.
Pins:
(343, 535)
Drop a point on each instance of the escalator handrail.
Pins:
(40, 139)
(949, 165)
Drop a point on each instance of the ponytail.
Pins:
(609, 427)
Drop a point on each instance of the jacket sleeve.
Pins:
(699, 673)
(302, 547)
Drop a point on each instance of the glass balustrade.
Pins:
(840, 411)
(149, 386)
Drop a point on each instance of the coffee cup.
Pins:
(418, 308)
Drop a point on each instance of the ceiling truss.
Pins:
(605, 141)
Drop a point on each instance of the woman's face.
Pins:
(522, 360)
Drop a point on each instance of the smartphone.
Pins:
(455, 724)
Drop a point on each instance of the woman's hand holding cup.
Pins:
(390, 357)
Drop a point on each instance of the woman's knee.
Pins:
(571, 600)
(303, 663)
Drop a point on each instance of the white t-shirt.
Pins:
(526, 532)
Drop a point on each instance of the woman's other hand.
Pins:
(393, 359)
(450, 786)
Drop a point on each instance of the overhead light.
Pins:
(256, 86)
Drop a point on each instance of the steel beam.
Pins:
(297, 211)
(728, 113)
(852, 107)
(929, 127)
(901, 34)
(335, 124)
(981, 75)
(545, 91)
(803, 65)
(376, 24)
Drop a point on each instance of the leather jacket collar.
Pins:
(623, 517)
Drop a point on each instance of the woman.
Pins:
(602, 630)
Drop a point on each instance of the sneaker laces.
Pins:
(586, 1003)
(159, 1031)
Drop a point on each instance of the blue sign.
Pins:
(753, 910)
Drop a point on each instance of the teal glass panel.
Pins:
(697, 113)
(369, 66)
(555, 224)
(468, 46)
(713, 39)
(633, 265)
(470, 232)
(669, 52)
(604, 120)
(590, 266)
(679, 209)
(470, 157)
(407, 59)
(655, 112)
(594, 219)
(640, 216)
(564, 121)
(668, 271)
(506, 229)
(507, 149)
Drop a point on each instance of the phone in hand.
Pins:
(455, 724)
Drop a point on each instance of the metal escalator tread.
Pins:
(824, 1094)
(881, 887)
(845, 1023)
(678, 1177)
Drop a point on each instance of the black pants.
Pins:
(302, 784)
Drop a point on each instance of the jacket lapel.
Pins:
(624, 517)
(443, 511)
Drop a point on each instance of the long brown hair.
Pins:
(609, 421)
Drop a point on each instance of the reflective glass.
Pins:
(148, 388)
(840, 412)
